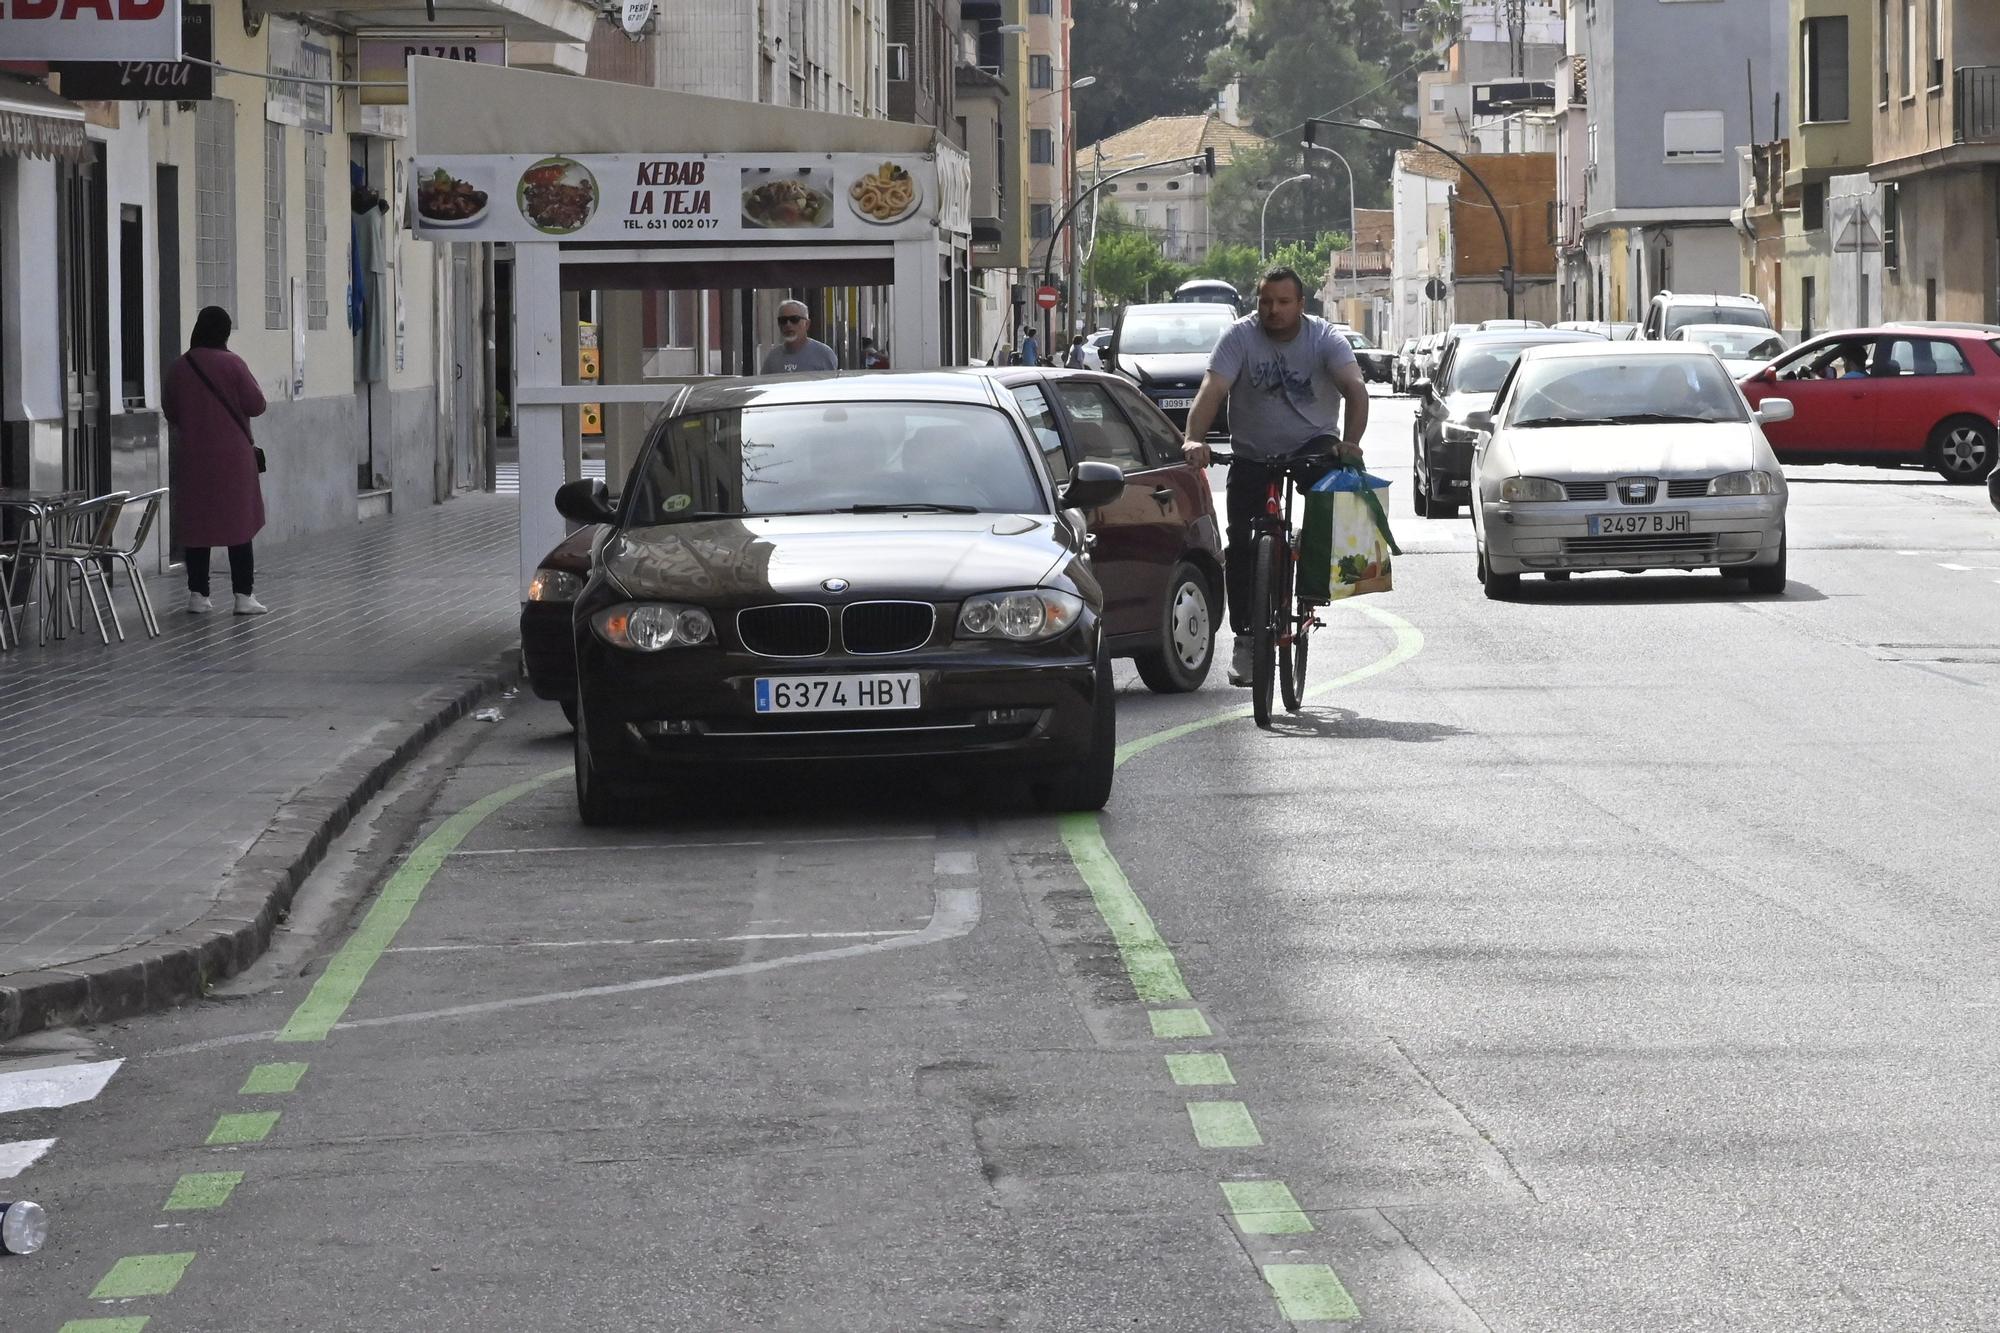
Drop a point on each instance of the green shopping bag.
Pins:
(1345, 543)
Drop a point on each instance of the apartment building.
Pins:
(1934, 83)
(1050, 119)
(993, 97)
(1660, 179)
(1169, 201)
(1494, 93)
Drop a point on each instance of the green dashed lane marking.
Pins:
(201, 1192)
(142, 1275)
(128, 1324)
(1223, 1125)
(244, 1127)
(273, 1078)
(1169, 1024)
(1309, 1291)
(336, 988)
(1196, 1071)
(1148, 961)
(1265, 1208)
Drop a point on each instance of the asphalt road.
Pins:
(1616, 959)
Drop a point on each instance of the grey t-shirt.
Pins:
(815, 355)
(1281, 394)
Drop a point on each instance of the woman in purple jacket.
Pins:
(209, 398)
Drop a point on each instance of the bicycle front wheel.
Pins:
(1292, 660)
(1268, 612)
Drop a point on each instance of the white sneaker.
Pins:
(199, 605)
(247, 605)
(1240, 665)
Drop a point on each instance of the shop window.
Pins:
(215, 204)
(316, 306)
(275, 314)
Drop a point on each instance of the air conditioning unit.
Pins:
(899, 62)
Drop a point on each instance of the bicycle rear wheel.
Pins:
(1267, 612)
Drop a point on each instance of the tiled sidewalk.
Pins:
(135, 778)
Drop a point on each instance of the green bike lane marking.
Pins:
(125, 1324)
(242, 1127)
(203, 1191)
(273, 1078)
(327, 1002)
(142, 1275)
(1304, 1292)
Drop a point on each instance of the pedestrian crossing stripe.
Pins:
(50, 1086)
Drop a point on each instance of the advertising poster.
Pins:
(104, 30)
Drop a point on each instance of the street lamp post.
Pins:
(1506, 233)
(1264, 215)
(1205, 160)
(1353, 230)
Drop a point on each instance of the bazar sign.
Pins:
(654, 197)
(384, 58)
(90, 30)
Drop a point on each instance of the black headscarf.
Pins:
(211, 328)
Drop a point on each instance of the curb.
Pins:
(182, 964)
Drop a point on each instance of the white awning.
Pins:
(560, 21)
(34, 122)
(463, 109)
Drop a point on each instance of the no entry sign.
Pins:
(1046, 297)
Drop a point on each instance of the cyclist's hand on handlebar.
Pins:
(1196, 453)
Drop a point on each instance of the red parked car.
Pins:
(1889, 397)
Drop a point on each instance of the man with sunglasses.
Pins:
(798, 353)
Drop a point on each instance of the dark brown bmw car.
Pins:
(1156, 549)
(885, 566)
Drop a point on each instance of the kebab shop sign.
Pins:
(647, 199)
(103, 30)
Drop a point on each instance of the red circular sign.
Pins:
(1046, 297)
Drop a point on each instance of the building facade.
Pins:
(1660, 173)
(1169, 201)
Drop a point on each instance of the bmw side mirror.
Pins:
(1479, 421)
(1774, 410)
(585, 501)
(1093, 485)
(1421, 387)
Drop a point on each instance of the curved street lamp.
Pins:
(1506, 233)
(1263, 247)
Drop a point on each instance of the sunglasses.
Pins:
(791, 319)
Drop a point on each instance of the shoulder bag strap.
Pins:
(227, 406)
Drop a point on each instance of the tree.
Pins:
(1308, 58)
(1311, 259)
(1123, 267)
(1147, 57)
(1237, 265)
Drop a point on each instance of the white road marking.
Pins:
(1946, 565)
(687, 846)
(18, 1157)
(956, 863)
(684, 939)
(955, 913)
(54, 1085)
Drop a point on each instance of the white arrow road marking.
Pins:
(18, 1157)
(54, 1085)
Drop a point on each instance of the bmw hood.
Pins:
(1174, 368)
(1692, 449)
(926, 557)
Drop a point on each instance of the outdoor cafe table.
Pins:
(42, 508)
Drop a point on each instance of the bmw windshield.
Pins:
(821, 458)
(1164, 333)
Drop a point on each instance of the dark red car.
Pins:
(1156, 551)
(1889, 397)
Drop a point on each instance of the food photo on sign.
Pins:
(885, 195)
(557, 195)
(444, 200)
(782, 198)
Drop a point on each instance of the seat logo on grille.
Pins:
(1636, 490)
(834, 585)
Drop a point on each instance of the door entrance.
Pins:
(83, 275)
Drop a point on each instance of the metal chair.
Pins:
(84, 543)
(147, 504)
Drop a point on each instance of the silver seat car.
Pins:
(1630, 457)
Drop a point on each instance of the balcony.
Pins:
(1976, 104)
(1768, 164)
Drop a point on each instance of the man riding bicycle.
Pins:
(1281, 371)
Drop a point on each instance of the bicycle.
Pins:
(1281, 627)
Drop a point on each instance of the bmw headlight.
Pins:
(1531, 490)
(1027, 616)
(1743, 483)
(1457, 434)
(554, 585)
(648, 627)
